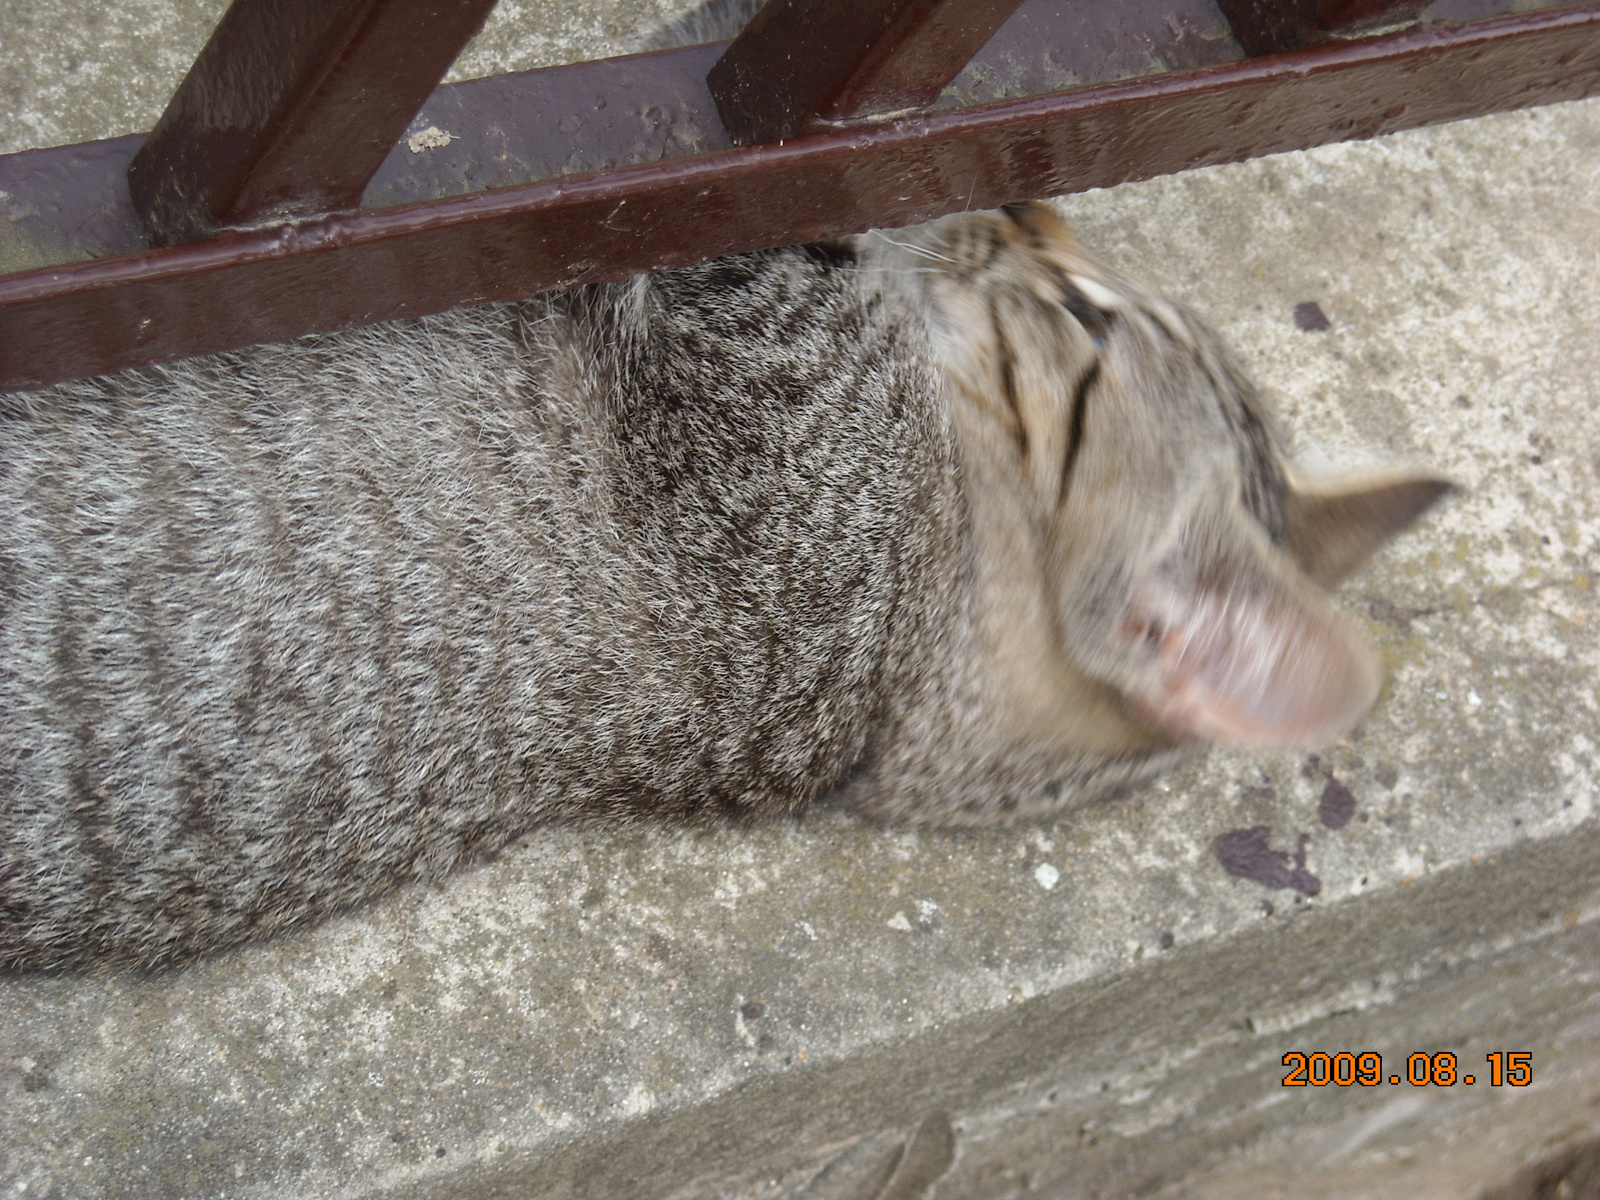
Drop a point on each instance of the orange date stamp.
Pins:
(1505, 1068)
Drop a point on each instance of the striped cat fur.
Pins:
(954, 524)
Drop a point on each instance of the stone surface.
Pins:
(1095, 1008)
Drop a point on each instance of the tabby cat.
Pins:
(954, 523)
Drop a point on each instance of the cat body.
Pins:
(954, 523)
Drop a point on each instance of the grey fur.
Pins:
(284, 628)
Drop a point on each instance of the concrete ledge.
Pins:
(1167, 1080)
(1097, 1008)
(643, 1015)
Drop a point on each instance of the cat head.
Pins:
(1184, 565)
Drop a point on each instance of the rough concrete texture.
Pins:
(1092, 1009)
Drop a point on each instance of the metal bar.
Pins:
(70, 203)
(272, 284)
(800, 63)
(290, 108)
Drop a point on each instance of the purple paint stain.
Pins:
(751, 1011)
(1245, 853)
(1337, 805)
(1310, 317)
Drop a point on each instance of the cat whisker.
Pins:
(914, 248)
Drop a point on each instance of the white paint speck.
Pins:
(898, 921)
(638, 1101)
(805, 928)
(1473, 699)
(430, 138)
(1047, 876)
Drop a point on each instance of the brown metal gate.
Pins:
(309, 174)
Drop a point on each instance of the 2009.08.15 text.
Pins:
(1513, 1068)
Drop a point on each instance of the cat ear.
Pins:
(1335, 525)
(1039, 220)
(1237, 653)
(1263, 666)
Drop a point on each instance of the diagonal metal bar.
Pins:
(290, 108)
(800, 63)
(265, 285)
